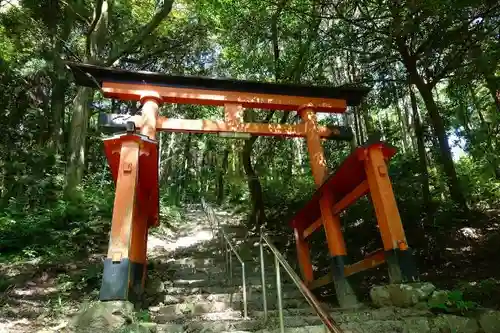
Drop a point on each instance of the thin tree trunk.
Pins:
(57, 103)
(370, 131)
(347, 123)
(403, 127)
(257, 215)
(220, 176)
(444, 147)
(79, 124)
(168, 159)
(491, 158)
(410, 124)
(185, 170)
(419, 134)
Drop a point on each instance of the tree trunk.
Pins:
(370, 130)
(419, 134)
(79, 124)
(185, 174)
(168, 160)
(96, 42)
(491, 158)
(257, 215)
(347, 123)
(444, 147)
(403, 127)
(410, 123)
(220, 176)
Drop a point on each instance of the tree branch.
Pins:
(93, 24)
(145, 31)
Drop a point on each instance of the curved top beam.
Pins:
(95, 76)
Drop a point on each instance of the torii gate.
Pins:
(133, 156)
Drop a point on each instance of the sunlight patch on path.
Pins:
(198, 237)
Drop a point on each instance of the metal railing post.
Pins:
(244, 285)
(230, 268)
(279, 260)
(280, 296)
(263, 277)
(226, 248)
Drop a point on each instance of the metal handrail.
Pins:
(280, 260)
(228, 248)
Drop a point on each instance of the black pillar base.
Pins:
(401, 264)
(122, 281)
(345, 294)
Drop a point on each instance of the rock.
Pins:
(154, 286)
(401, 295)
(169, 299)
(490, 321)
(136, 328)
(104, 317)
(381, 296)
(416, 325)
(170, 328)
(438, 297)
(454, 324)
(150, 327)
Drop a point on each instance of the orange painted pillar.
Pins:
(125, 265)
(398, 255)
(304, 257)
(331, 222)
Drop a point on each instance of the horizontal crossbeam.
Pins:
(118, 122)
(345, 202)
(372, 260)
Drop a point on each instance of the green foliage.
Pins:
(59, 229)
(454, 303)
(486, 292)
(143, 316)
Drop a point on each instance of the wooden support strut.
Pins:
(338, 207)
(399, 258)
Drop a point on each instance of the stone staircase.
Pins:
(189, 291)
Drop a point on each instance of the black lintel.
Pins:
(93, 76)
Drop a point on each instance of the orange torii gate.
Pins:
(133, 159)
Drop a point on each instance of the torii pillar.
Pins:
(132, 157)
(331, 222)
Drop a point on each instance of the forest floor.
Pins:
(43, 295)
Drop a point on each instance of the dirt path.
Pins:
(43, 297)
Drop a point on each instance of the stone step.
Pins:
(219, 323)
(303, 329)
(296, 325)
(251, 277)
(217, 253)
(308, 315)
(252, 281)
(299, 316)
(215, 270)
(288, 291)
(173, 311)
(228, 297)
